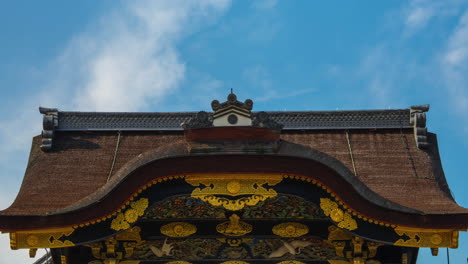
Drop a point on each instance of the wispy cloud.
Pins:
(131, 59)
(419, 13)
(454, 65)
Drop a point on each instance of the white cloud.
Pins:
(454, 65)
(130, 60)
(419, 13)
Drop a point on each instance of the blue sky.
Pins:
(285, 55)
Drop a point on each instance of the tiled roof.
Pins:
(79, 121)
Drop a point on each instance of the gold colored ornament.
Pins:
(337, 215)
(233, 187)
(343, 219)
(32, 252)
(434, 238)
(131, 215)
(334, 233)
(32, 240)
(290, 262)
(123, 220)
(42, 238)
(132, 234)
(290, 229)
(234, 227)
(212, 188)
(178, 229)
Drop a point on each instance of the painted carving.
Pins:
(215, 189)
(294, 247)
(304, 250)
(165, 250)
(281, 206)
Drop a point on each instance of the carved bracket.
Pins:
(49, 124)
(433, 238)
(46, 238)
(108, 250)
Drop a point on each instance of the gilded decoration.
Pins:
(290, 229)
(118, 247)
(355, 249)
(343, 219)
(250, 188)
(45, 238)
(234, 227)
(178, 229)
(433, 238)
(123, 220)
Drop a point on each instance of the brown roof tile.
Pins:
(387, 161)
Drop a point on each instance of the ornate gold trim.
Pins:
(111, 248)
(343, 219)
(123, 220)
(178, 229)
(433, 238)
(290, 229)
(211, 188)
(42, 238)
(234, 227)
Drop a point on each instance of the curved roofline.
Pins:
(286, 149)
(289, 158)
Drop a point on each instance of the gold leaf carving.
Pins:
(132, 234)
(343, 219)
(178, 229)
(434, 238)
(45, 238)
(123, 220)
(214, 188)
(234, 227)
(290, 229)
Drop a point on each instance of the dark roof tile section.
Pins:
(82, 121)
